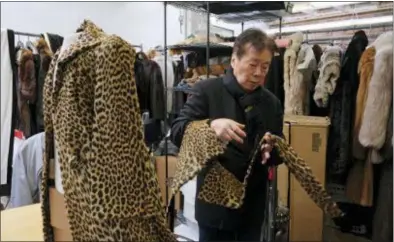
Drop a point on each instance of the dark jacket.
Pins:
(220, 98)
(150, 88)
(342, 106)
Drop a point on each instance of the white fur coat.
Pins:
(329, 72)
(380, 93)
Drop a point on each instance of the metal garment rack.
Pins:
(27, 34)
(138, 46)
(5, 189)
(196, 6)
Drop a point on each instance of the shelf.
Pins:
(240, 11)
(215, 50)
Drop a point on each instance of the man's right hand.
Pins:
(228, 130)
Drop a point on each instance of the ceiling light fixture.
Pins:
(334, 24)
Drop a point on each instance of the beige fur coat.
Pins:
(373, 128)
(329, 72)
(299, 64)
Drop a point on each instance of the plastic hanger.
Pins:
(30, 46)
(20, 43)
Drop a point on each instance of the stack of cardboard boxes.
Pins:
(308, 137)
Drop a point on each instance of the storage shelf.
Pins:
(240, 11)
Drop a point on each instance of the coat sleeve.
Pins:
(195, 108)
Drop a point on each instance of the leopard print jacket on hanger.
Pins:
(91, 109)
(220, 186)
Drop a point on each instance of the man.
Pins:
(241, 112)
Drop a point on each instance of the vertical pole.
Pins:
(165, 96)
(242, 27)
(280, 28)
(208, 42)
(171, 206)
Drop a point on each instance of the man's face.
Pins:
(252, 68)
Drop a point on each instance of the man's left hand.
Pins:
(266, 148)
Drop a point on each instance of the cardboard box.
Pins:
(308, 136)
(57, 206)
(161, 175)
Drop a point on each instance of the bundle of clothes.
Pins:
(32, 61)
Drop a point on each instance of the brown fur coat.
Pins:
(365, 70)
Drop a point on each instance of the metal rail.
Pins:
(27, 34)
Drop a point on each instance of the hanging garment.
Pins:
(26, 176)
(342, 112)
(178, 97)
(380, 93)
(45, 59)
(220, 186)
(359, 187)
(314, 109)
(291, 77)
(274, 80)
(170, 77)
(54, 41)
(26, 90)
(329, 71)
(306, 65)
(383, 217)
(93, 123)
(8, 107)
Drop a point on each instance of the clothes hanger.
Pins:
(30, 46)
(20, 43)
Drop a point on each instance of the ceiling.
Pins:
(315, 12)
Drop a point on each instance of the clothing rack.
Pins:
(333, 39)
(360, 27)
(138, 46)
(27, 34)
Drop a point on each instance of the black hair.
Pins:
(256, 38)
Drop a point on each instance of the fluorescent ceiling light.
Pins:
(334, 24)
(308, 6)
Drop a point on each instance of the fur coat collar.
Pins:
(380, 92)
(329, 69)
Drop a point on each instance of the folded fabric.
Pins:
(200, 148)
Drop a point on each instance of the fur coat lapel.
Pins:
(380, 92)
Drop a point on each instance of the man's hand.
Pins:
(266, 148)
(228, 130)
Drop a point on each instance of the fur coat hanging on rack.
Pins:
(329, 71)
(373, 130)
(342, 105)
(299, 64)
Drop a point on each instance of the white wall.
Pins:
(136, 22)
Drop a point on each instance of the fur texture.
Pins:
(26, 90)
(380, 92)
(291, 77)
(329, 72)
(45, 53)
(306, 65)
(365, 70)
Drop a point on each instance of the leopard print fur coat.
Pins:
(91, 110)
(200, 148)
